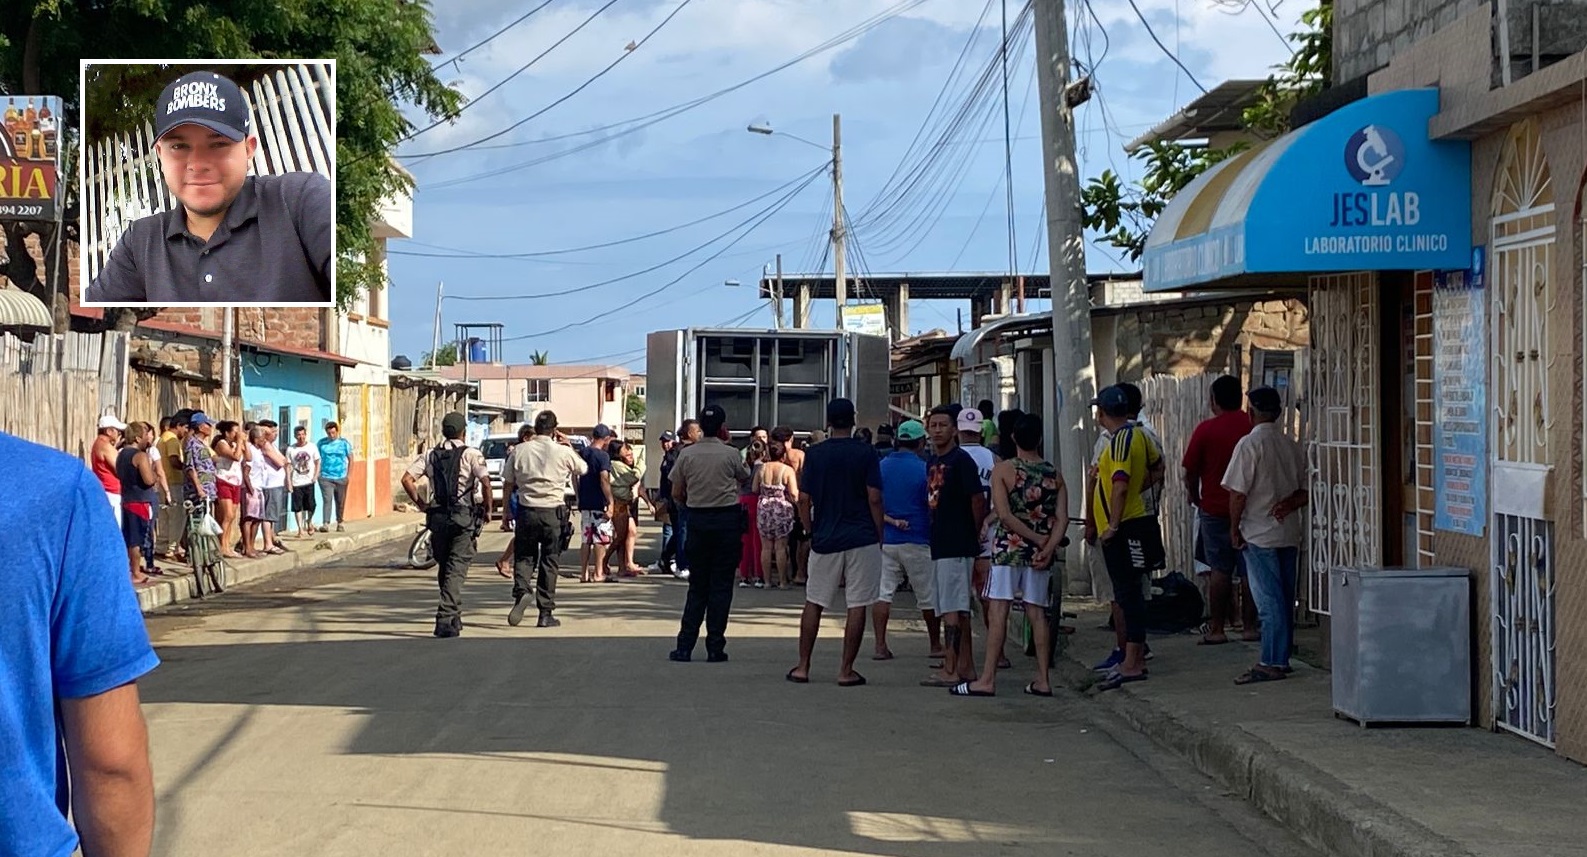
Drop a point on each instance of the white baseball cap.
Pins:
(970, 420)
(110, 421)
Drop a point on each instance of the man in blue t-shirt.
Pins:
(840, 504)
(336, 458)
(906, 540)
(71, 650)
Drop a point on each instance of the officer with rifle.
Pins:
(456, 513)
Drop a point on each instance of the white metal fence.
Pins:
(293, 111)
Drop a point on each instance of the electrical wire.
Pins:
(492, 37)
(779, 206)
(1162, 47)
(576, 90)
(775, 207)
(1008, 154)
(637, 124)
(504, 81)
(471, 254)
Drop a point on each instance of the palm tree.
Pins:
(540, 358)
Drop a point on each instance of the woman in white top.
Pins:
(230, 483)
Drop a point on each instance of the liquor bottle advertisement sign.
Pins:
(30, 157)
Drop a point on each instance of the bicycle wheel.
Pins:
(419, 554)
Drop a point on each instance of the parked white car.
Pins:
(495, 448)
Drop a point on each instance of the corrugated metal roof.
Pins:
(20, 309)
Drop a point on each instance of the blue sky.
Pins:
(491, 201)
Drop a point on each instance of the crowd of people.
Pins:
(161, 480)
(963, 509)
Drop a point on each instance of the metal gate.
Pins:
(1342, 430)
(1523, 582)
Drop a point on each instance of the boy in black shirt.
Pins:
(958, 511)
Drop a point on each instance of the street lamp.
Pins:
(839, 244)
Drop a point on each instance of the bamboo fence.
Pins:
(54, 389)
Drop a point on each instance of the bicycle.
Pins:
(420, 555)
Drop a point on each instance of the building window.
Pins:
(640, 391)
(611, 391)
(377, 302)
(537, 391)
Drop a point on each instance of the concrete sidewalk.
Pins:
(1379, 792)
(178, 582)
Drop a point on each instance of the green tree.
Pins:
(634, 409)
(540, 358)
(446, 356)
(1123, 212)
(379, 45)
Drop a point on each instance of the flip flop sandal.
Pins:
(1005, 664)
(1030, 690)
(1118, 680)
(937, 682)
(886, 657)
(796, 679)
(858, 680)
(963, 689)
(1256, 676)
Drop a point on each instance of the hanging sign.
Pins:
(1460, 418)
(30, 157)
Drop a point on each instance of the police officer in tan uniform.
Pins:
(454, 515)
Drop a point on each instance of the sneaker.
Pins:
(1109, 662)
(548, 621)
(760, 584)
(679, 656)
(681, 573)
(716, 658)
(1149, 654)
(340, 528)
(515, 615)
(743, 584)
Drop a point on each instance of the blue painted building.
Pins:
(290, 389)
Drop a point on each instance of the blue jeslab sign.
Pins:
(1359, 189)
(1365, 189)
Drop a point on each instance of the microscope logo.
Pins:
(1374, 156)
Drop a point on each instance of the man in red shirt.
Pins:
(1206, 459)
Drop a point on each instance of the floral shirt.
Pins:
(200, 460)
(1034, 500)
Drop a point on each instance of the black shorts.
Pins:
(797, 534)
(303, 498)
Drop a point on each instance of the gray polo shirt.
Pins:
(273, 247)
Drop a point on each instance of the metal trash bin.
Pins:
(1401, 644)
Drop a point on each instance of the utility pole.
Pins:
(1073, 371)
(777, 294)
(839, 257)
(435, 342)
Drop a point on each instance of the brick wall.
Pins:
(1367, 33)
(1189, 340)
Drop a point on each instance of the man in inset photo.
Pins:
(234, 238)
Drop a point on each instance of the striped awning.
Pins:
(20, 309)
(1361, 189)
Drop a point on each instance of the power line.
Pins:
(492, 37)
(470, 254)
(637, 124)
(1008, 153)
(777, 206)
(580, 88)
(1164, 48)
(521, 69)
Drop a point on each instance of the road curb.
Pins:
(178, 585)
(1319, 808)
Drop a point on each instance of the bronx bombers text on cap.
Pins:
(202, 98)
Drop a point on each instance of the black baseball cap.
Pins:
(453, 425)
(203, 98)
(603, 431)
(1113, 401)
(1266, 399)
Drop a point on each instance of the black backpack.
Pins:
(1178, 609)
(445, 507)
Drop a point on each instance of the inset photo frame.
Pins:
(208, 183)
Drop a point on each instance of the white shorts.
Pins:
(1008, 583)
(953, 584)
(858, 571)
(911, 563)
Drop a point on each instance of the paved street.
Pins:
(313, 714)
